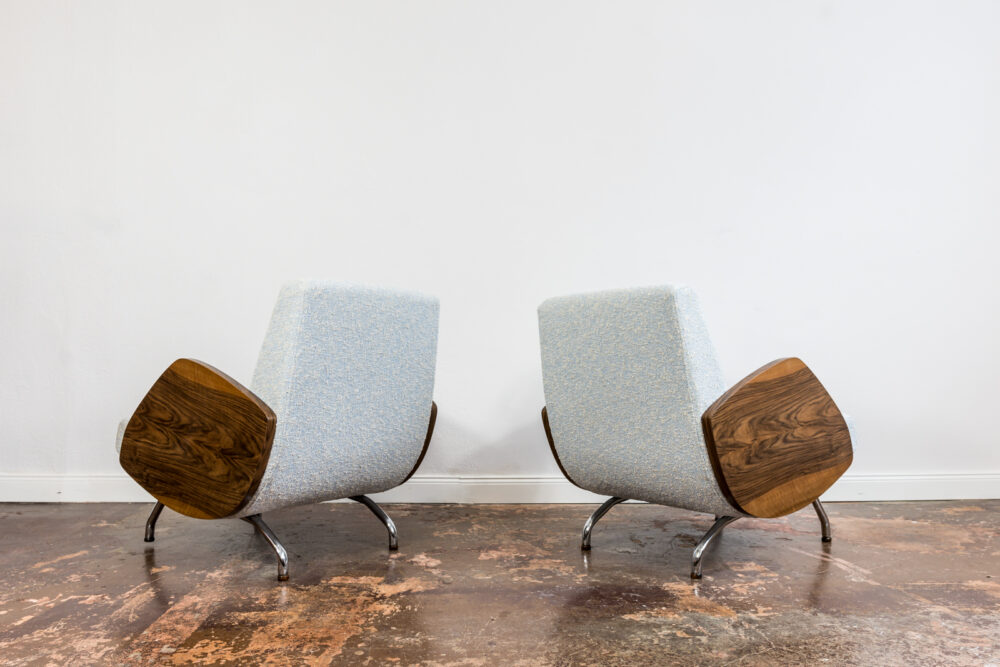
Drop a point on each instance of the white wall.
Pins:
(825, 174)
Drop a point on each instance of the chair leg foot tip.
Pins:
(282, 577)
(828, 539)
(148, 539)
(695, 576)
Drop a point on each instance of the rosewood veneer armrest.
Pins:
(776, 440)
(199, 441)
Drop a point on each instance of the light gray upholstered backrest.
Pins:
(349, 372)
(627, 375)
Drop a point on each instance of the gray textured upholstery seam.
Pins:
(293, 356)
(296, 351)
(686, 360)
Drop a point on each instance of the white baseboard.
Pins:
(943, 486)
(15, 487)
(66, 488)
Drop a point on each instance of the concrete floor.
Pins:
(902, 583)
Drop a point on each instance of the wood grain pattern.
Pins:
(199, 441)
(777, 440)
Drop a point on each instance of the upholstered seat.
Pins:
(348, 373)
(629, 376)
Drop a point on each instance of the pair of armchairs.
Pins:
(341, 406)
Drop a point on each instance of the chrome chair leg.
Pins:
(151, 522)
(824, 520)
(595, 517)
(383, 517)
(699, 550)
(279, 550)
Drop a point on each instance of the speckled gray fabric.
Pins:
(349, 372)
(852, 429)
(627, 376)
(122, 425)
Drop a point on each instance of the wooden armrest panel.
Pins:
(776, 440)
(199, 441)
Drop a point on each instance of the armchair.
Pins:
(635, 408)
(341, 406)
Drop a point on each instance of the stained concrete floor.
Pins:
(902, 583)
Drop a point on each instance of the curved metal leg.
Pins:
(824, 520)
(151, 522)
(383, 517)
(595, 517)
(699, 550)
(279, 550)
